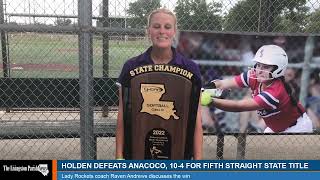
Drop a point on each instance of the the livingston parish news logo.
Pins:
(42, 168)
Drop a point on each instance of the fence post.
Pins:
(105, 48)
(305, 77)
(220, 145)
(87, 139)
(241, 145)
(5, 59)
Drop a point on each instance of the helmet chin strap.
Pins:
(261, 79)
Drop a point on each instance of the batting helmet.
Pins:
(273, 55)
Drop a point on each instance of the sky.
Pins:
(69, 7)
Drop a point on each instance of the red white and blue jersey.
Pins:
(276, 107)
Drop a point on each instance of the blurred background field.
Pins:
(57, 56)
(38, 55)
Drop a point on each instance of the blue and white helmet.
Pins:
(273, 55)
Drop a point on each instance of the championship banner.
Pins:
(188, 165)
(160, 108)
(189, 169)
(159, 169)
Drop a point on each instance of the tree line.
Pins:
(245, 15)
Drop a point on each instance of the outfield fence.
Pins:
(60, 61)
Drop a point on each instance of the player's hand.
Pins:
(207, 95)
(215, 93)
(206, 98)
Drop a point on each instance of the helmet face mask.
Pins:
(261, 74)
(272, 55)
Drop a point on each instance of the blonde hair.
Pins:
(162, 10)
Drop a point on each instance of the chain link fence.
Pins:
(61, 58)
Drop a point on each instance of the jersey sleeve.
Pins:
(243, 79)
(198, 74)
(123, 75)
(267, 100)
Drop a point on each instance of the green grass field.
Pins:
(62, 49)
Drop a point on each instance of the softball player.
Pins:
(272, 97)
